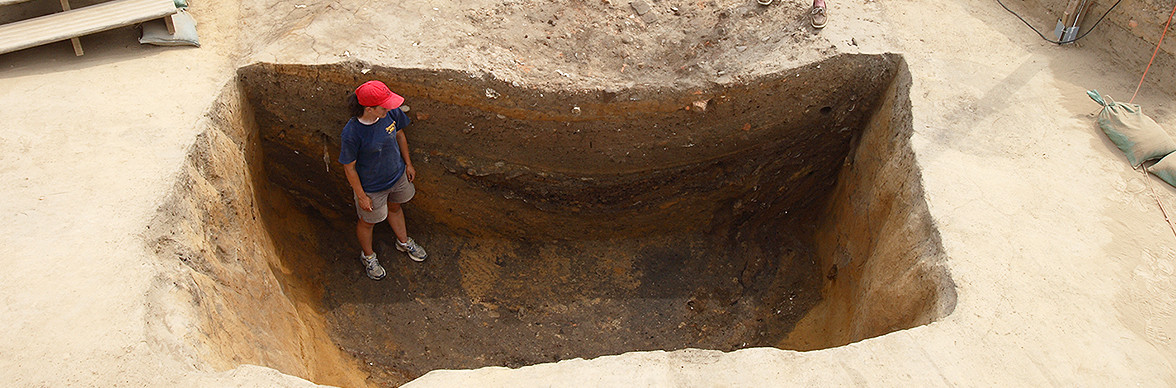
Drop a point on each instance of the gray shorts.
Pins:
(400, 192)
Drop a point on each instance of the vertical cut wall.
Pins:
(248, 303)
(877, 246)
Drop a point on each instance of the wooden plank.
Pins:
(1067, 15)
(79, 22)
(1082, 13)
(10, 2)
(77, 43)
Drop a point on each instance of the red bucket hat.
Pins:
(375, 93)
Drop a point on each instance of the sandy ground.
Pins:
(1063, 260)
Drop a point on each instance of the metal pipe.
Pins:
(1078, 13)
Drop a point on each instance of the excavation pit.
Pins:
(784, 211)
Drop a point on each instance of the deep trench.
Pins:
(564, 224)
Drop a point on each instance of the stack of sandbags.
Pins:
(1138, 136)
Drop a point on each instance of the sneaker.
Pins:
(374, 270)
(414, 250)
(818, 17)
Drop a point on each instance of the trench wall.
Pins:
(877, 247)
(248, 305)
(250, 274)
(590, 164)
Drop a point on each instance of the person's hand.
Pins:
(365, 202)
(410, 172)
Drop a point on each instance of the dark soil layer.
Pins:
(481, 302)
(565, 224)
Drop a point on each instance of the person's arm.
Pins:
(403, 142)
(365, 202)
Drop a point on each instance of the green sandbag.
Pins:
(1165, 169)
(1138, 136)
(155, 32)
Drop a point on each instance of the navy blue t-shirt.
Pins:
(374, 150)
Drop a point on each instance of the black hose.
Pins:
(1058, 41)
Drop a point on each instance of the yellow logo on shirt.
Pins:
(391, 128)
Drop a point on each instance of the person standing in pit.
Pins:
(375, 159)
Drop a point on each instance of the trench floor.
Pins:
(481, 301)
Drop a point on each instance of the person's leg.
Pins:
(818, 17)
(403, 242)
(396, 220)
(369, 219)
(400, 193)
(363, 231)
